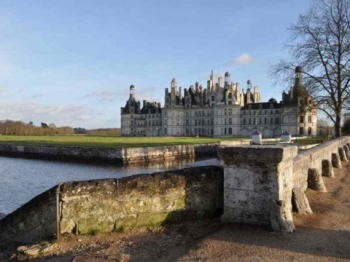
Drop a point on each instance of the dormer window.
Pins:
(271, 105)
(260, 106)
(250, 107)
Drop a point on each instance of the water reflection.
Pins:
(23, 179)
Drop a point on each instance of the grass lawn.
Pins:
(110, 142)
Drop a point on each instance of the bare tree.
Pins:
(320, 42)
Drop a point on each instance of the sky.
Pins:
(72, 62)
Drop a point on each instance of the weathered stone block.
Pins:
(336, 163)
(342, 154)
(315, 180)
(327, 168)
(254, 176)
(281, 217)
(300, 202)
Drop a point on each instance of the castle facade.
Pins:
(221, 109)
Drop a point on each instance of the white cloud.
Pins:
(243, 59)
(61, 115)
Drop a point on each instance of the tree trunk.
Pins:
(337, 126)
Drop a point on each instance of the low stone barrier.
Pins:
(312, 158)
(117, 204)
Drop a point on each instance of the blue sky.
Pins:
(72, 62)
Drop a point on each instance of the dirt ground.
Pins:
(322, 236)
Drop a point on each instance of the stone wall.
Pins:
(32, 221)
(117, 204)
(312, 158)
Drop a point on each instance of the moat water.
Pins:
(23, 179)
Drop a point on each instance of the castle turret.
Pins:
(173, 86)
(298, 89)
(132, 92)
(227, 79)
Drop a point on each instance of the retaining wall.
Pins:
(117, 204)
(109, 155)
(63, 153)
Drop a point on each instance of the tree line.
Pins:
(10, 127)
(20, 128)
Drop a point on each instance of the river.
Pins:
(23, 179)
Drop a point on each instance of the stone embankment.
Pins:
(114, 155)
(89, 207)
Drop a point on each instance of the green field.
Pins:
(110, 142)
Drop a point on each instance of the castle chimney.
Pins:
(220, 82)
(197, 86)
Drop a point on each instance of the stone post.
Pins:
(286, 137)
(315, 180)
(327, 168)
(256, 138)
(300, 202)
(342, 154)
(254, 177)
(346, 150)
(281, 218)
(336, 163)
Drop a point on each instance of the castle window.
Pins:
(309, 119)
(271, 121)
(260, 106)
(271, 105)
(230, 102)
(265, 120)
(259, 121)
(230, 131)
(277, 111)
(213, 98)
(250, 121)
(230, 95)
(301, 120)
(301, 130)
(230, 121)
(250, 107)
(243, 121)
(309, 131)
(277, 120)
